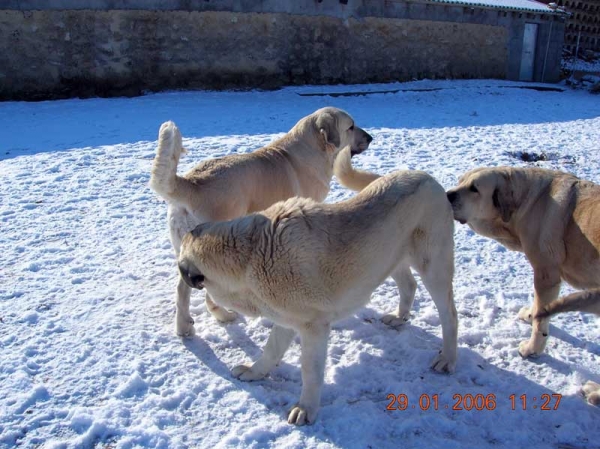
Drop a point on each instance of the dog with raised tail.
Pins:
(301, 163)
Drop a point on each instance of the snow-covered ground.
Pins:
(581, 65)
(88, 354)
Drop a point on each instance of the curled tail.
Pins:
(584, 301)
(348, 176)
(163, 178)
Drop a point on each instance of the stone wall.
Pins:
(63, 53)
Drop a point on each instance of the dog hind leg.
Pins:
(407, 287)
(184, 324)
(437, 271)
(178, 226)
(180, 222)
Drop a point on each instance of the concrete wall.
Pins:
(102, 48)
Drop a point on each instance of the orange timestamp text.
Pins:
(479, 402)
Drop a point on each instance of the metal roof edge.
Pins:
(556, 12)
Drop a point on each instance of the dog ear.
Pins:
(197, 231)
(327, 128)
(503, 199)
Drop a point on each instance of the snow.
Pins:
(516, 5)
(581, 65)
(89, 357)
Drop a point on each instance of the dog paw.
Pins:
(443, 364)
(185, 328)
(526, 350)
(525, 314)
(301, 416)
(246, 373)
(591, 391)
(222, 315)
(396, 319)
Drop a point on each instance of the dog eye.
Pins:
(351, 128)
(473, 188)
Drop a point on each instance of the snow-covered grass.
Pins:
(88, 354)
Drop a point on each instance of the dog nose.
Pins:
(369, 138)
(451, 196)
(191, 275)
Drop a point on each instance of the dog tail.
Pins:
(584, 301)
(348, 176)
(163, 178)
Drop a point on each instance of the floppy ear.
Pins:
(327, 128)
(503, 199)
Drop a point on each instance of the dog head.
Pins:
(189, 264)
(483, 196)
(190, 273)
(337, 129)
(215, 255)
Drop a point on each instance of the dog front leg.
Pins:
(546, 282)
(279, 341)
(314, 354)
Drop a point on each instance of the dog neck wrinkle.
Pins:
(227, 240)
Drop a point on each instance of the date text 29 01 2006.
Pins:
(545, 402)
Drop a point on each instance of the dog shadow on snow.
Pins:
(205, 354)
(396, 361)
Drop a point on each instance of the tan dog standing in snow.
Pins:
(304, 265)
(298, 164)
(554, 218)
